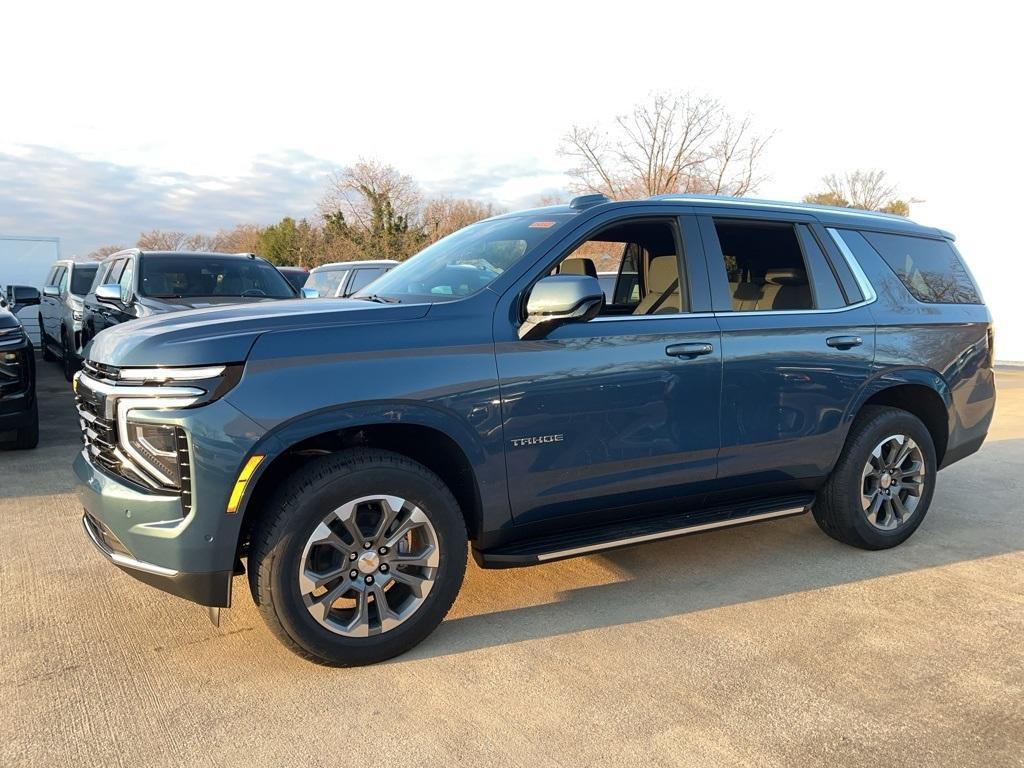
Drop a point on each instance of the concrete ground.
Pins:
(769, 645)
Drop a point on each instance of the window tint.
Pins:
(825, 288)
(81, 278)
(363, 277)
(172, 277)
(644, 257)
(930, 269)
(326, 281)
(765, 266)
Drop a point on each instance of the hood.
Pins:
(226, 334)
(8, 320)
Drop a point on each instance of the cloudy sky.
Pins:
(196, 116)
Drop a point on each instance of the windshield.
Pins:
(81, 278)
(465, 262)
(177, 277)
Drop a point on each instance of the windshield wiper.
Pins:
(379, 299)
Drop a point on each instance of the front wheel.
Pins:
(882, 485)
(358, 557)
(67, 357)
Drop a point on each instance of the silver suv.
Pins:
(60, 312)
(343, 278)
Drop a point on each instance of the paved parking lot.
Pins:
(768, 645)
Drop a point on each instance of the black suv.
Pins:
(19, 410)
(133, 283)
(757, 360)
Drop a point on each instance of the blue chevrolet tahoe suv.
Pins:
(765, 359)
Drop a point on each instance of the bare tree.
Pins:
(103, 251)
(673, 143)
(444, 215)
(862, 189)
(242, 238)
(165, 240)
(355, 191)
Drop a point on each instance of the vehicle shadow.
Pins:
(976, 514)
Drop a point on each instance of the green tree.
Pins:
(289, 242)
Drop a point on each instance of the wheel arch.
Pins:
(427, 435)
(919, 391)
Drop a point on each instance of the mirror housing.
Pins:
(560, 299)
(51, 290)
(109, 294)
(19, 296)
(310, 293)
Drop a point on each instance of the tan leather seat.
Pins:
(786, 289)
(662, 287)
(578, 266)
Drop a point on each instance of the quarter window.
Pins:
(774, 266)
(930, 269)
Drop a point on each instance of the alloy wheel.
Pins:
(892, 482)
(369, 565)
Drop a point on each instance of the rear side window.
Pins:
(930, 269)
(773, 266)
(363, 277)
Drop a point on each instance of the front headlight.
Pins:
(160, 449)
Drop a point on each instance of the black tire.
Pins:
(28, 437)
(296, 510)
(838, 508)
(44, 343)
(67, 360)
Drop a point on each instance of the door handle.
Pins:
(844, 342)
(689, 350)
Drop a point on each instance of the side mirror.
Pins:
(109, 294)
(51, 290)
(558, 300)
(22, 296)
(310, 293)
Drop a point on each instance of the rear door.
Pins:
(797, 345)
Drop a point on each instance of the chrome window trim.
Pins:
(663, 316)
(858, 273)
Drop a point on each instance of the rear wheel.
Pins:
(882, 485)
(358, 558)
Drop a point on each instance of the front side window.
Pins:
(640, 259)
(60, 279)
(466, 261)
(768, 269)
(177, 277)
(930, 269)
(126, 281)
(327, 281)
(81, 278)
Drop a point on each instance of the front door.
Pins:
(620, 412)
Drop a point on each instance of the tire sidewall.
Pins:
(886, 424)
(306, 512)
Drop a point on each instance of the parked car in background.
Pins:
(61, 311)
(297, 276)
(773, 359)
(344, 278)
(19, 411)
(132, 284)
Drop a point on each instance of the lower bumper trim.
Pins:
(123, 560)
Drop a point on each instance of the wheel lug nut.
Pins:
(353, 573)
(352, 556)
(368, 579)
(383, 550)
(367, 545)
(384, 568)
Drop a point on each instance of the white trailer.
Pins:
(25, 261)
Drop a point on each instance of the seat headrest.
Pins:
(578, 266)
(785, 277)
(663, 271)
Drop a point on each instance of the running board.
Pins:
(629, 533)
